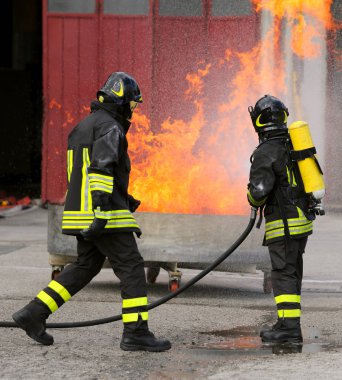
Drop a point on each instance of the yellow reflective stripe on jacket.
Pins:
(101, 187)
(82, 219)
(101, 177)
(255, 202)
(300, 219)
(133, 317)
(81, 224)
(134, 302)
(60, 289)
(294, 183)
(295, 313)
(48, 300)
(290, 298)
(86, 201)
(125, 214)
(293, 231)
(101, 182)
(293, 222)
(297, 226)
(70, 160)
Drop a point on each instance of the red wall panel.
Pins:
(81, 50)
(53, 172)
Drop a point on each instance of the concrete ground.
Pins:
(213, 326)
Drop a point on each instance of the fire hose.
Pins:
(166, 298)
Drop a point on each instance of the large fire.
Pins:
(187, 168)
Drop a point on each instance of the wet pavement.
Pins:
(245, 340)
(214, 326)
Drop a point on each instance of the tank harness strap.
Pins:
(300, 155)
(280, 201)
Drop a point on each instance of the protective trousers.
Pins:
(287, 274)
(128, 265)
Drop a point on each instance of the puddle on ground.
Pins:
(246, 341)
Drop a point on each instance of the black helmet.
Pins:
(268, 114)
(120, 88)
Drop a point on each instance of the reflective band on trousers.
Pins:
(48, 300)
(60, 289)
(295, 313)
(133, 317)
(134, 302)
(289, 298)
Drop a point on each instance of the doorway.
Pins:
(21, 98)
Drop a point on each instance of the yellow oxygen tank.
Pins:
(309, 168)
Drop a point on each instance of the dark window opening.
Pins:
(180, 8)
(231, 8)
(126, 7)
(71, 6)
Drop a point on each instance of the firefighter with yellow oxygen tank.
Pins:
(98, 211)
(286, 183)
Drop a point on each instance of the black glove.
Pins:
(101, 202)
(133, 203)
(95, 230)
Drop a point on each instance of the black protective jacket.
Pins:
(98, 163)
(275, 183)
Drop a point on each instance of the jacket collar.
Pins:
(114, 110)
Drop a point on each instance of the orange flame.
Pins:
(309, 20)
(193, 167)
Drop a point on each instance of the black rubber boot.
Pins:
(269, 328)
(143, 342)
(286, 331)
(31, 318)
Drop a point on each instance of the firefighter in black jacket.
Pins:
(98, 211)
(275, 185)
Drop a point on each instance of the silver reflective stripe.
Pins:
(292, 230)
(301, 219)
(111, 214)
(101, 187)
(280, 224)
(72, 216)
(108, 180)
(76, 222)
(121, 223)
